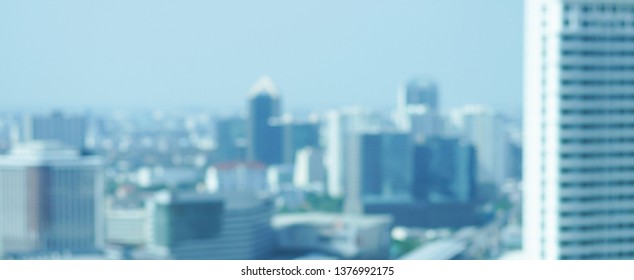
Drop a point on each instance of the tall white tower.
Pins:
(579, 129)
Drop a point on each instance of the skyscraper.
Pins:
(231, 139)
(444, 171)
(263, 130)
(51, 200)
(65, 129)
(378, 165)
(417, 108)
(578, 156)
(488, 132)
(340, 125)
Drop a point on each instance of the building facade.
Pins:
(51, 200)
(579, 143)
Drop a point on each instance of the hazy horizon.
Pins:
(321, 54)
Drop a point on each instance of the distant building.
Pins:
(344, 236)
(488, 132)
(379, 165)
(167, 176)
(65, 129)
(417, 110)
(298, 135)
(444, 171)
(280, 177)
(310, 172)
(202, 226)
(264, 134)
(339, 126)
(236, 177)
(51, 199)
(231, 139)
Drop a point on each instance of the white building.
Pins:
(279, 177)
(310, 172)
(126, 226)
(166, 176)
(579, 138)
(339, 126)
(51, 199)
(417, 108)
(236, 177)
(488, 132)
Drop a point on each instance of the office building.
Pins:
(195, 226)
(339, 126)
(444, 171)
(379, 165)
(310, 172)
(51, 200)
(578, 144)
(264, 133)
(417, 109)
(237, 177)
(66, 129)
(231, 139)
(298, 135)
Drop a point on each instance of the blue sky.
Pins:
(321, 54)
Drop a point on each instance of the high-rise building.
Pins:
(417, 109)
(421, 91)
(578, 155)
(231, 139)
(65, 129)
(444, 171)
(339, 126)
(379, 165)
(488, 131)
(51, 200)
(264, 133)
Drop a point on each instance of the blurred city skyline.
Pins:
(163, 55)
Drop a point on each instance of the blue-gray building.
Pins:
(379, 165)
(263, 130)
(444, 171)
(298, 135)
(231, 139)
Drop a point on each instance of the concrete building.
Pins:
(51, 199)
(578, 132)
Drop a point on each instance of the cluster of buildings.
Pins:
(268, 185)
(244, 187)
